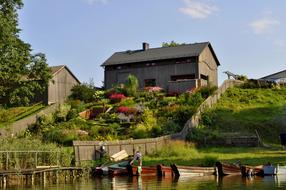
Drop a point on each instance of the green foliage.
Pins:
(171, 44)
(84, 92)
(22, 74)
(246, 110)
(177, 149)
(209, 161)
(131, 85)
(171, 127)
(242, 77)
(62, 113)
(99, 94)
(9, 115)
(27, 159)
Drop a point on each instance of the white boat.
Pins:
(281, 170)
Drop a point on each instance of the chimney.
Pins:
(145, 46)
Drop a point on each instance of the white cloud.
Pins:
(91, 2)
(198, 9)
(264, 25)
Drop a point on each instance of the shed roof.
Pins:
(275, 76)
(56, 69)
(152, 54)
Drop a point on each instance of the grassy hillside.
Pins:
(10, 115)
(246, 110)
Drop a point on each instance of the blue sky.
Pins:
(247, 36)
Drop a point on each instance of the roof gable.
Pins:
(152, 54)
(281, 74)
(56, 69)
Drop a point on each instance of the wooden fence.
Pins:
(90, 150)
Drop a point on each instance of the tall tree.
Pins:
(171, 44)
(21, 73)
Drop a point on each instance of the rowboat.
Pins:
(269, 170)
(251, 170)
(143, 171)
(164, 171)
(281, 170)
(192, 170)
(227, 169)
(113, 169)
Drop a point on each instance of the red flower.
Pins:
(126, 110)
(117, 97)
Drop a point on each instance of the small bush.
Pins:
(171, 127)
(84, 92)
(140, 132)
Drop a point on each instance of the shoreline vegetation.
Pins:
(124, 112)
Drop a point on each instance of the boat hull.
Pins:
(223, 169)
(192, 171)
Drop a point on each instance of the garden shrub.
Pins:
(171, 127)
(62, 112)
(140, 132)
(131, 85)
(183, 114)
(84, 92)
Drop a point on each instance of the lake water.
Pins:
(194, 183)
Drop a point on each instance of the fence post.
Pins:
(36, 159)
(7, 160)
(58, 162)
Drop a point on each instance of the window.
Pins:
(204, 77)
(150, 82)
(182, 77)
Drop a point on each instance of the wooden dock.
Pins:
(40, 175)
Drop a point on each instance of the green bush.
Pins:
(131, 86)
(140, 132)
(183, 114)
(84, 92)
(171, 127)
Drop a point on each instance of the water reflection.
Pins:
(151, 182)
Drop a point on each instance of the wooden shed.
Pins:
(59, 87)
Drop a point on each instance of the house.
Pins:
(279, 77)
(175, 69)
(59, 87)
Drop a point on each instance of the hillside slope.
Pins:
(246, 110)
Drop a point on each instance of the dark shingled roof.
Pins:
(278, 75)
(152, 54)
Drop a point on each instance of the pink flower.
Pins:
(153, 89)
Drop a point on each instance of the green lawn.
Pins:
(182, 154)
(10, 115)
(247, 110)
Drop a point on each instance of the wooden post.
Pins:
(36, 159)
(58, 161)
(7, 160)
(32, 179)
